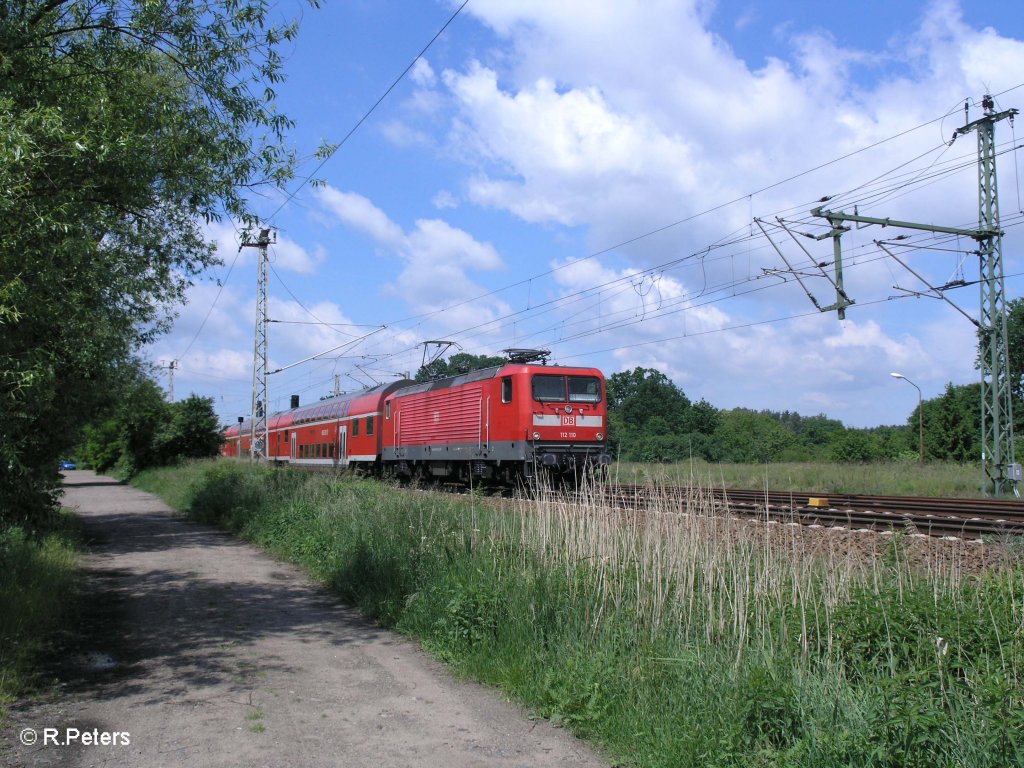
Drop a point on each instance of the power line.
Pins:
(676, 223)
(319, 166)
(916, 179)
(369, 112)
(220, 290)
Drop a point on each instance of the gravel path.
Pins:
(199, 650)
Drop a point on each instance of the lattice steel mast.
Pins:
(999, 468)
(260, 402)
(997, 454)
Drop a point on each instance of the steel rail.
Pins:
(967, 518)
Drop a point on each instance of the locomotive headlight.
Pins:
(536, 435)
(600, 436)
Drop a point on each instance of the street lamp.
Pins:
(920, 411)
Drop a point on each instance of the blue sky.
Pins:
(585, 176)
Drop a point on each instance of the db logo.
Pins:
(568, 421)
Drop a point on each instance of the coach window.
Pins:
(387, 410)
(369, 425)
(355, 427)
(506, 389)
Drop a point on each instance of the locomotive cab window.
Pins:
(547, 388)
(506, 389)
(584, 389)
(561, 389)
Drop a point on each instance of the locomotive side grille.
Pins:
(455, 417)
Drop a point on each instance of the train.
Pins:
(521, 421)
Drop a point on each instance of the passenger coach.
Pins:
(337, 432)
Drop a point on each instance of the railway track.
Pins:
(965, 518)
(929, 515)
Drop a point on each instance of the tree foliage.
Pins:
(652, 419)
(952, 424)
(140, 429)
(748, 436)
(460, 362)
(1015, 346)
(123, 127)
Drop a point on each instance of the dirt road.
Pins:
(199, 650)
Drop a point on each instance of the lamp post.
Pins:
(920, 412)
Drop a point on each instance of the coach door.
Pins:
(295, 442)
(343, 445)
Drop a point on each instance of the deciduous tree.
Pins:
(124, 126)
(460, 362)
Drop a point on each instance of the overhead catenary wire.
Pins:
(903, 185)
(916, 178)
(674, 224)
(309, 177)
(206, 317)
(712, 209)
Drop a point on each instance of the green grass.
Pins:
(38, 584)
(897, 478)
(670, 638)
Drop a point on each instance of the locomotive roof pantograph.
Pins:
(524, 356)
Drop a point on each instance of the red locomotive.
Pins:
(496, 425)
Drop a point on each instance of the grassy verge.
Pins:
(897, 478)
(38, 581)
(672, 638)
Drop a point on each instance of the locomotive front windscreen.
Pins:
(584, 389)
(560, 389)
